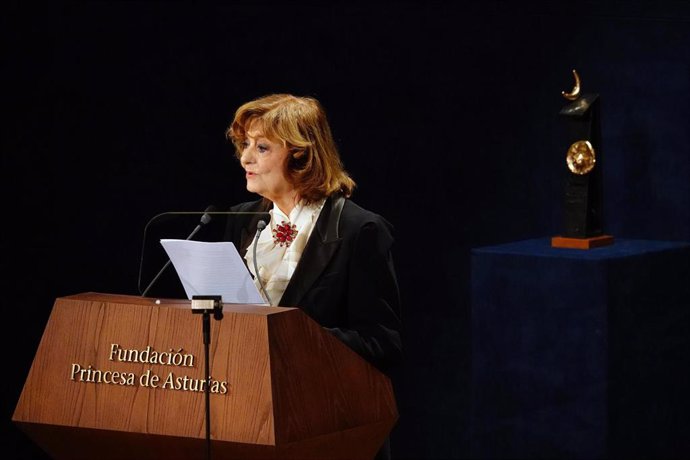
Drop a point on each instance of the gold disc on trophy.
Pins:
(580, 157)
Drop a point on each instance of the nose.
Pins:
(247, 156)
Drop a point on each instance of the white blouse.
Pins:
(277, 263)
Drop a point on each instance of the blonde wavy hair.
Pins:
(314, 167)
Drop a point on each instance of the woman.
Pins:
(320, 252)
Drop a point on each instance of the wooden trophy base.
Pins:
(581, 243)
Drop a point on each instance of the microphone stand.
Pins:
(205, 304)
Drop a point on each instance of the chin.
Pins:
(254, 190)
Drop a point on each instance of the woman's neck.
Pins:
(286, 203)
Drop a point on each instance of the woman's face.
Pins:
(264, 163)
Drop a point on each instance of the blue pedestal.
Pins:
(581, 353)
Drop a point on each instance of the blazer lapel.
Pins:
(320, 248)
(248, 231)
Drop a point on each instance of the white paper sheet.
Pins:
(212, 269)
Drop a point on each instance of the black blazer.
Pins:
(345, 279)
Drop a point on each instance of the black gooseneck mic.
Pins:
(205, 219)
(259, 228)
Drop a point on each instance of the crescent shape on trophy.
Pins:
(575, 93)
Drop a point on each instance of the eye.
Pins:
(244, 145)
(262, 148)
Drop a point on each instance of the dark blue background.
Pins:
(445, 115)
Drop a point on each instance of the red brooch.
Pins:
(284, 234)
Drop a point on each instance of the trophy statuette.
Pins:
(583, 202)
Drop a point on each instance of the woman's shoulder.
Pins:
(354, 211)
(354, 217)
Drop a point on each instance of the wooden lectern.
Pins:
(122, 377)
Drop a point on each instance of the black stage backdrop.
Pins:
(445, 114)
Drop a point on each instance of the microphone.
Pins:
(260, 226)
(205, 219)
